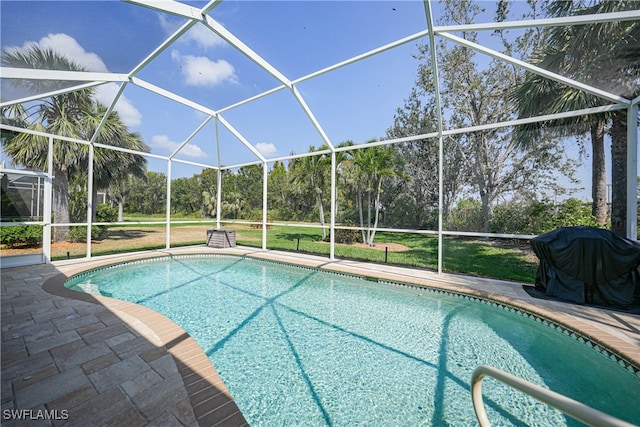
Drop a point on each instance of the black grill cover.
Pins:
(588, 265)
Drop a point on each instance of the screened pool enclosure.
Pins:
(338, 121)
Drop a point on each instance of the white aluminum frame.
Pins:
(199, 16)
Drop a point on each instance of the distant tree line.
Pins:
(370, 194)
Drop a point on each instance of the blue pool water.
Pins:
(297, 346)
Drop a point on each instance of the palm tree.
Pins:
(72, 114)
(115, 134)
(604, 55)
(538, 95)
(373, 165)
(311, 172)
(342, 164)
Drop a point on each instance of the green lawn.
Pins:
(484, 258)
(465, 256)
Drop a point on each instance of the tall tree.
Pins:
(311, 172)
(119, 191)
(71, 115)
(207, 189)
(373, 165)
(420, 193)
(475, 91)
(279, 191)
(606, 56)
(112, 167)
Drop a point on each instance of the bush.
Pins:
(345, 236)
(28, 235)
(466, 216)
(572, 212)
(106, 213)
(79, 234)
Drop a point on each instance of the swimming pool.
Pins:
(298, 346)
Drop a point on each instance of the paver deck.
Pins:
(89, 360)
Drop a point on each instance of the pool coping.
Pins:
(206, 385)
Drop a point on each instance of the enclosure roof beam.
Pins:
(630, 15)
(537, 70)
(81, 76)
(108, 112)
(170, 6)
(172, 96)
(364, 55)
(242, 139)
(240, 165)
(297, 156)
(221, 31)
(188, 162)
(79, 141)
(193, 134)
(253, 98)
(50, 94)
(536, 119)
(168, 42)
(194, 14)
(210, 6)
(312, 117)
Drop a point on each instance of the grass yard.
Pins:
(485, 258)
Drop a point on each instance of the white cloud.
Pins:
(201, 35)
(129, 114)
(201, 71)
(189, 150)
(69, 47)
(267, 149)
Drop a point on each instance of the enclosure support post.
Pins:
(219, 200)
(46, 209)
(168, 216)
(265, 175)
(332, 228)
(219, 189)
(632, 172)
(434, 66)
(90, 200)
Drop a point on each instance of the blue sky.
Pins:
(355, 103)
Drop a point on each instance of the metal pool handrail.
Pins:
(575, 409)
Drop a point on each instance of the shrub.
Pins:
(79, 234)
(466, 216)
(572, 212)
(29, 235)
(106, 213)
(345, 236)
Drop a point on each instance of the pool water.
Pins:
(298, 346)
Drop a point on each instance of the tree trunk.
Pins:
(321, 212)
(619, 173)
(121, 202)
(487, 210)
(359, 205)
(368, 242)
(598, 174)
(60, 204)
(377, 214)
